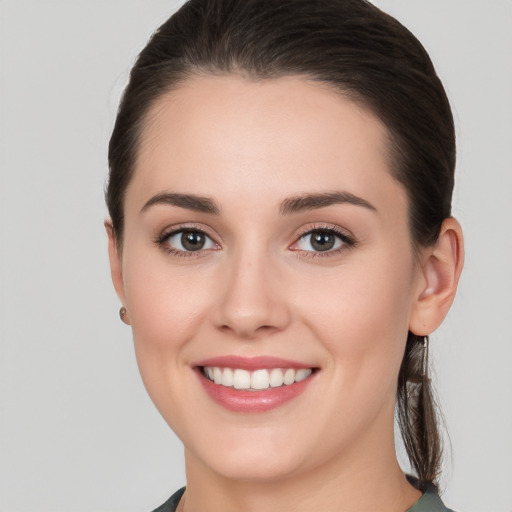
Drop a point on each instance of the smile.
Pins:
(257, 380)
(254, 385)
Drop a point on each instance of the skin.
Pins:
(260, 289)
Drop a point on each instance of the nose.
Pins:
(253, 302)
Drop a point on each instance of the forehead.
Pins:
(292, 134)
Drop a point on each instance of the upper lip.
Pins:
(251, 363)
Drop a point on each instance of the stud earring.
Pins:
(122, 314)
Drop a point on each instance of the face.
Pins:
(267, 247)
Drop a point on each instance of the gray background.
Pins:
(77, 432)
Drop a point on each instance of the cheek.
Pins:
(164, 299)
(166, 313)
(166, 308)
(361, 313)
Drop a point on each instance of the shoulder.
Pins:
(171, 504)
(429, 502)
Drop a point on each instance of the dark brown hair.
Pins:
(363, 53)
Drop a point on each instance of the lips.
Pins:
(253, 384)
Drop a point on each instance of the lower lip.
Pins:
(252, 401)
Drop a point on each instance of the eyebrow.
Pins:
(188, 201)
(313, 201)
(288, 206)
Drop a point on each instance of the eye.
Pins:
(187, 240)
(322, 240)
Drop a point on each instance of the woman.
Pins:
(282, 245)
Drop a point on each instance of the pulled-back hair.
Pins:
(367, 56)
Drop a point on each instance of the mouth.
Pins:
(257, 380)
(254, 385)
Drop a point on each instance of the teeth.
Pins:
(302, 374)
(276, 378)
(289, 376)
(217, 375)
(241, 379)
(228, 377)
(256, 380)
(260, 379)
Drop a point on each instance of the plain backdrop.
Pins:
(77, 431)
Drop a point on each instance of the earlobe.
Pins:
(441, 269)
(116, 268)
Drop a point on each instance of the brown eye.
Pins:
(319, 240)
(322, 240)
(187, 240)
(193, 240)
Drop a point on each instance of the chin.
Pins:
(248, 460)
(261, 467)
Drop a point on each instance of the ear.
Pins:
(116, 267)
(440, 271)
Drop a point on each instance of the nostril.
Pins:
(248, 332)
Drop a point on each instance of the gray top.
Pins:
(429, 502)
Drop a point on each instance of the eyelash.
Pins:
(162, 240)
(347, 241)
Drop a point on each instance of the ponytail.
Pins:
(417, 412)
